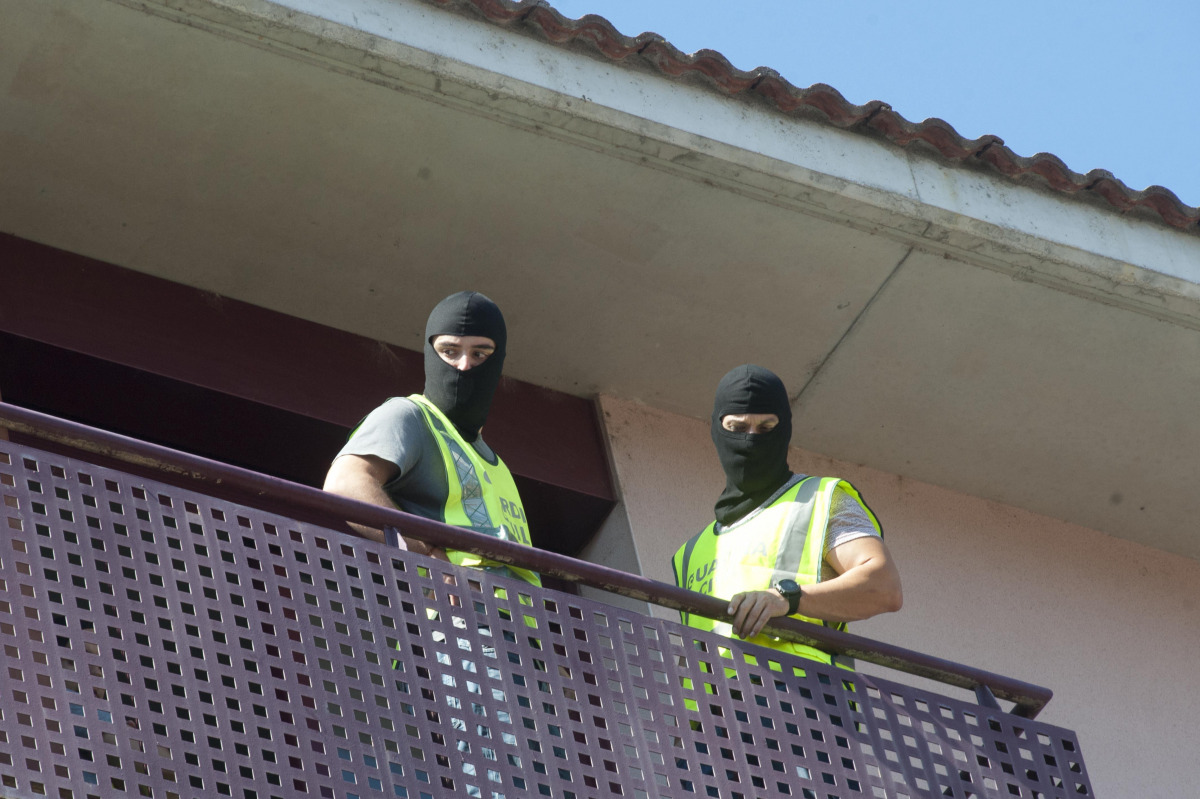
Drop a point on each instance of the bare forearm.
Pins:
(363, 479)
(866, 585)
(859, 593)
(362, 489)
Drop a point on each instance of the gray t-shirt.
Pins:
(396, 432)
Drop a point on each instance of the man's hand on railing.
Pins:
(421, 548)
(751, 610)
(363, 477)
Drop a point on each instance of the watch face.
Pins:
(788, 587)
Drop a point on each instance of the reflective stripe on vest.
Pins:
(785, 539)
(480, 495)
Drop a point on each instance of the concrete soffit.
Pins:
(798, 165)
(348, 162)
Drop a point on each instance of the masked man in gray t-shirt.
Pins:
(424, 454)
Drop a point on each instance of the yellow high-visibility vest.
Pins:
(481, 495)
(784, 540)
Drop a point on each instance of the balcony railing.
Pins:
(160, 641)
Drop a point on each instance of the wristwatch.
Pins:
(790, 590)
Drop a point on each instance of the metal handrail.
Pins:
(1028, 699)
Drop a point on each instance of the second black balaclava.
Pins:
(464, 396)
(755, 464)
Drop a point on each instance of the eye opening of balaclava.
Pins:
(755, 464)
(464, 397)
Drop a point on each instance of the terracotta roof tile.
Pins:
(936, 133)
(818, 97)
(823, 102)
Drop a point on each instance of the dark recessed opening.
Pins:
(167, 412)
(232, 430)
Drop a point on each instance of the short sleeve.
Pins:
(848, 520)
(395, 432)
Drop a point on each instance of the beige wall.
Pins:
(1111, 626)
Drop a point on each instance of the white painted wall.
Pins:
(1111, 626)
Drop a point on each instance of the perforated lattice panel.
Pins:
(160, 643)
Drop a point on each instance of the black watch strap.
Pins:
(791, 591)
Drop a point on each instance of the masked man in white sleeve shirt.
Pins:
(782, 544)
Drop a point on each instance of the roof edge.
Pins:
(596, 35)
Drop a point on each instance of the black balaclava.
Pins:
(755, 464)
(464, 396)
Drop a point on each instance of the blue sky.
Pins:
(1113, 85)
